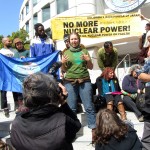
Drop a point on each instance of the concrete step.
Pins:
(5, 123)
(84, 136)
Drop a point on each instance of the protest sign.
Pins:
(98, 26)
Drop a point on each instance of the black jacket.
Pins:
(46, 128)
(130, 142)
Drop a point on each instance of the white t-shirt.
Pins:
(7, 52)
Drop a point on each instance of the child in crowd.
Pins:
(112, 133)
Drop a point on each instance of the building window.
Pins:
(61, 6)
(46, 13)
(27, 27)
(22, 14)
(49, 33)
(34, 2)
(35, 19)
(27, 8)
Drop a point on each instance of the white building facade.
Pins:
(42, 11)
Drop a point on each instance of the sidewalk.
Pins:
(84, 136)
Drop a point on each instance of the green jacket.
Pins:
(107, 60)
(21, 53)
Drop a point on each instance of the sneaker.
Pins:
(141, 119)
(6, 112)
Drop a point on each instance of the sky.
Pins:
(9, 16)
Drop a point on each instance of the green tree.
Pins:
(1, 45)
(22, 34)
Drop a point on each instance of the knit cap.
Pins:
(134, 68)
(17, 40)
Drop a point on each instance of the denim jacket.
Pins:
(145, 69)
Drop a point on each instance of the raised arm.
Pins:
(145, 77)
(144, 18)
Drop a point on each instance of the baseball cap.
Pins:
(66, 37)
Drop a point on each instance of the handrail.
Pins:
(122, 61)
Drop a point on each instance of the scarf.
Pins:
(105, 86)
(75, 49)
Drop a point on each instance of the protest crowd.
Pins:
(46, 108)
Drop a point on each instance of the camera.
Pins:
(52, 71)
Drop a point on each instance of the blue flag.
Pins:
(14, 70)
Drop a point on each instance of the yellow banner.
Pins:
(97, 26)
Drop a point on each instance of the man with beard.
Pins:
(107, 56)
(8, 51)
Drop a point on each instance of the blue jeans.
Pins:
(85, 92)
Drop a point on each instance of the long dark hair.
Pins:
(106, 72)
(108, 124)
